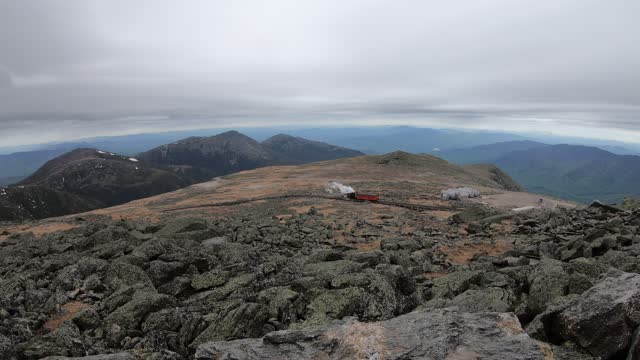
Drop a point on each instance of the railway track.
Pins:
(416, 207)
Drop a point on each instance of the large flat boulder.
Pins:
(601, 320)
(441, 334)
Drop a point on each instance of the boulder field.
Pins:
(256, 287)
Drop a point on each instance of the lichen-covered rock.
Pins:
(603, 319)
(63, 341)
(87, 319)
(162, 271)
(455, 283)
(489, 299)
(547, 282)
(121, 274)
(176, 286)
(278, 302)
(419, 335)
(335, 304)
(182, 225)
(234, 319)
(6, 347)
(474, 213)
(327, 270)
(143, 302)
(259, 273)
(118, 356)
(223, 292)
(209, 280)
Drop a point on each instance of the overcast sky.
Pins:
(74, 68)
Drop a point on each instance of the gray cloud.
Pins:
(5, 78)
(88, 67)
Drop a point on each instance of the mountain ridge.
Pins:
(105, 179)
(576, 172)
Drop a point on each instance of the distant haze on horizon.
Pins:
(82, 68)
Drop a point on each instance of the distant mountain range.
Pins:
(201, 158)
(579, 173)
(16, 166)
(297, 150)
(367, 139)
(487, 153)
(90, 178)
(85, 179)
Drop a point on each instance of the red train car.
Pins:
(364, 197)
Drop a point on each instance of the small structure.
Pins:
(459, 193)
(335, 187)
(363, 197)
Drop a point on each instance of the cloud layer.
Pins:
(89, 67)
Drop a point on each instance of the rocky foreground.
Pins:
(257, 287)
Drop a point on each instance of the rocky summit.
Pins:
(265, 264)
(564, 286)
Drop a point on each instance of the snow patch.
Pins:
(101, 152)
(132, 159)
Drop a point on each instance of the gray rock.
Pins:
(489, 299)
(419, 335)
(474, 213)
(335, 304)
(121, 274)
(165, 320)
(603, 319)
(547, 282)
(118, 356)
(278, 301)
(6, 347)
(63, 341)
(176, 286)
(182, 225)
(120, 297)
(162, 271)
(371, 258)
(233, 319)
(87, 319)
(496, 279)
(143, 302)
(90, 265)
(209, 280)
(329, 269)
(223, 292)
(455, 283)
(606, 207)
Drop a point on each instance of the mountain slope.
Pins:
(385, 139)
(205, 157)
(487, 153)
(38, 202)
(85, 179)
(103, 178)
(575, 172)
(396, 177)
(300, 150)
(494, 173)
(202, 158)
